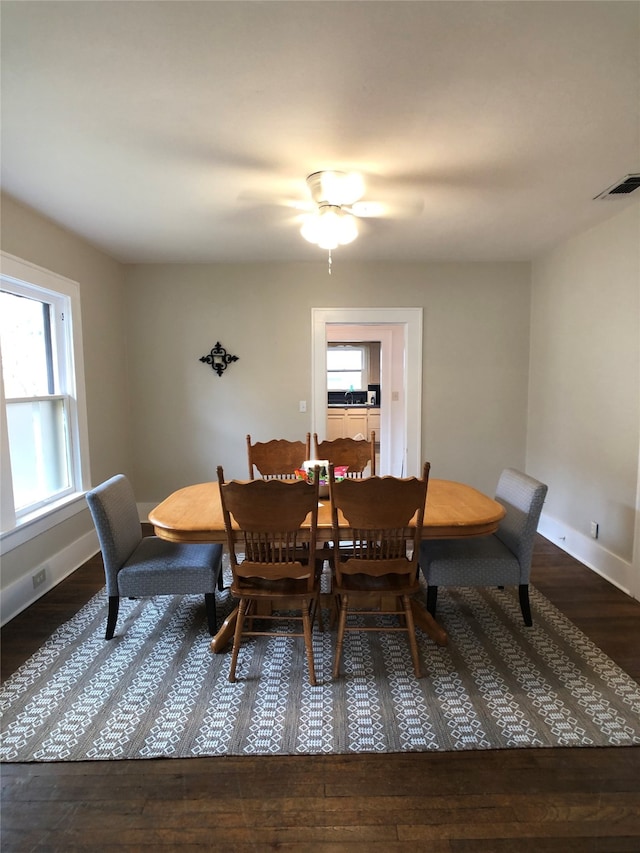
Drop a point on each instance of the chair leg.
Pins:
(112, 617)
(335, 609)
(316, 612)
(308, 642)
(411, 631)
(340, 638)
(523, 591)
(242, 607)
(432, 597)
(210, 604)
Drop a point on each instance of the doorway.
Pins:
(400, 333)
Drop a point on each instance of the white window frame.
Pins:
(364, 372)
(30, 280)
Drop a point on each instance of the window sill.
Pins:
(39, 522)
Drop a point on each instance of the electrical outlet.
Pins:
(39, 578)
(594, 529)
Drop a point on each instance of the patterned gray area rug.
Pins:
(156, 690)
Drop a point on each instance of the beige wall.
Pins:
(584, 419)
(186, 420)
(38, 240)
(33, 238)
(158, 414)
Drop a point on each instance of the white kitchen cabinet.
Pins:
(373, 423)
(355, 423)
(335, 424)
(351, 422)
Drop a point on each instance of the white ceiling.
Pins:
(177, 131)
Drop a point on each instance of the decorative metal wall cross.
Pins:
(219, 359)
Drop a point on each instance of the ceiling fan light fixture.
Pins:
(330, 227)
(337, 188)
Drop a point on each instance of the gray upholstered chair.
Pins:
(501, 559)
(136, 566)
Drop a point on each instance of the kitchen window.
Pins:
(347, 368)
(43, 454)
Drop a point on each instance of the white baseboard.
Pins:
(21, 593)
(17, 596)
(588, 551)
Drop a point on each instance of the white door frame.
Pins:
(393, 442)
(411, 392)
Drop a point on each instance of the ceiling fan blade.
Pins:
(267, 199)
(398, 208)
(367, 209)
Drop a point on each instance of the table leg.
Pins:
(423, 619)
(225, 633)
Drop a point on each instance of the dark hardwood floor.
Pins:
(510, 800)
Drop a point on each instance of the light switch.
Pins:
(303, 406)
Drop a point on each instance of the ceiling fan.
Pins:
(338, 197)
(330, 215)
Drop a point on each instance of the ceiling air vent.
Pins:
(627, 185)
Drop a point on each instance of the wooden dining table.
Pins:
(453, 510)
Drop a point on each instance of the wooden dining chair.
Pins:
(272, 550)
(378, 573)
(358, 454)
(277, 459)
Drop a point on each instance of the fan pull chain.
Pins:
(330, 262)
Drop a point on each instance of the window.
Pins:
(43, 414)
(346, 368)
